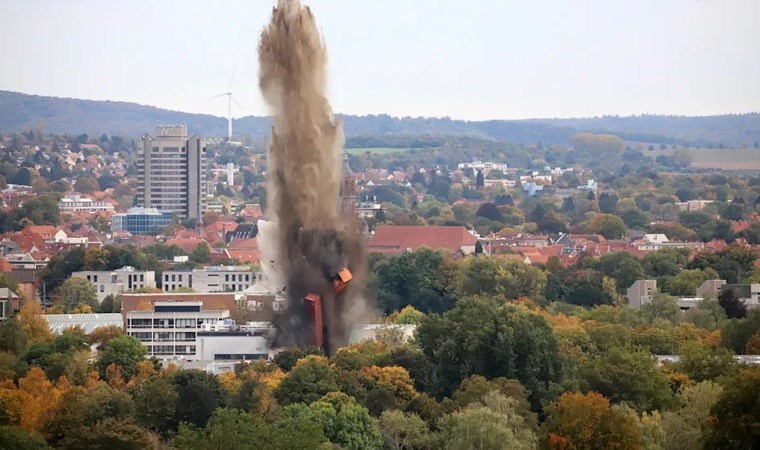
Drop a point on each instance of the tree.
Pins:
(631, 376)
(586, 421)
(476, 388)
(86, 185)
(490, 276)
(489, 211)
(609, 226)
(408, 315)
(310, 379)
(751, 234)
(736, 415)
(736, 333)
(480, 337)
(80, 408)
(198, 395)
(491, 424)
(735, 308)
(703, 363)
(423, 279)
(74, 292)
(480, 181)
(201, 254)
(124, 352)
(111, 434)
(287, 358)
(402, 430)
(33, 326)
(683, 427)
(687, 281)
(18, 439)
(156, 401)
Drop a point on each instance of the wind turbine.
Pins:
(230, 99)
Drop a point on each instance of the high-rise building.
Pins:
(172, 172)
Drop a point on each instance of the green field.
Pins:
(378, 150)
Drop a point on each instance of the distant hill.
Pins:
(74, 116)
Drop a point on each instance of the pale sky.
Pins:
(466, 59)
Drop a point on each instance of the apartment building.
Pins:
(641, 292)
(115, 282)
(171, 170)
(211, 279)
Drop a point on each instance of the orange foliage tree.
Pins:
(582, 421)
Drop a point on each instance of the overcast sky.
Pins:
(482, 59)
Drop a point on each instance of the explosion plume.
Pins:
(313, 238)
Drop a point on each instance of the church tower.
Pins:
(348, 195)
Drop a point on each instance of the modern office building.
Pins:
(142, 221)
(183, 330)
(171, 170)
(210, 279)
(115, 282)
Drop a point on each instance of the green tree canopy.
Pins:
(481, 337)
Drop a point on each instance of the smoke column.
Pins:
(313, 239)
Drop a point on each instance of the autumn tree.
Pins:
(34, 327)
(587, 421)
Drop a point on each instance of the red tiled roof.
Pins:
(395, 239)
(739, 225)
(42, 230)
(244, 244)
(243, 255)
(186, 244)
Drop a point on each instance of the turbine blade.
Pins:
(217, 96)
(236, 102)
(229, 86)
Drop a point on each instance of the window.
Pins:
(95, 278)
(102, 288)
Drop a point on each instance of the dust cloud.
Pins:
(313, 239)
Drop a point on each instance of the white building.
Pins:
(484, 166)
(211, 279)
(115, 282)
(79, 203)
(184, 331)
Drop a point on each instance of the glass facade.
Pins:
(142, 221)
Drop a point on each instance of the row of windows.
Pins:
(237, 356)
(168, 350)
(169, 323)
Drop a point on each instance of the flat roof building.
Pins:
(139, 220)
(115, 282)
(210, 279)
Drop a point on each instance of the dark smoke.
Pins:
(304, 171)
